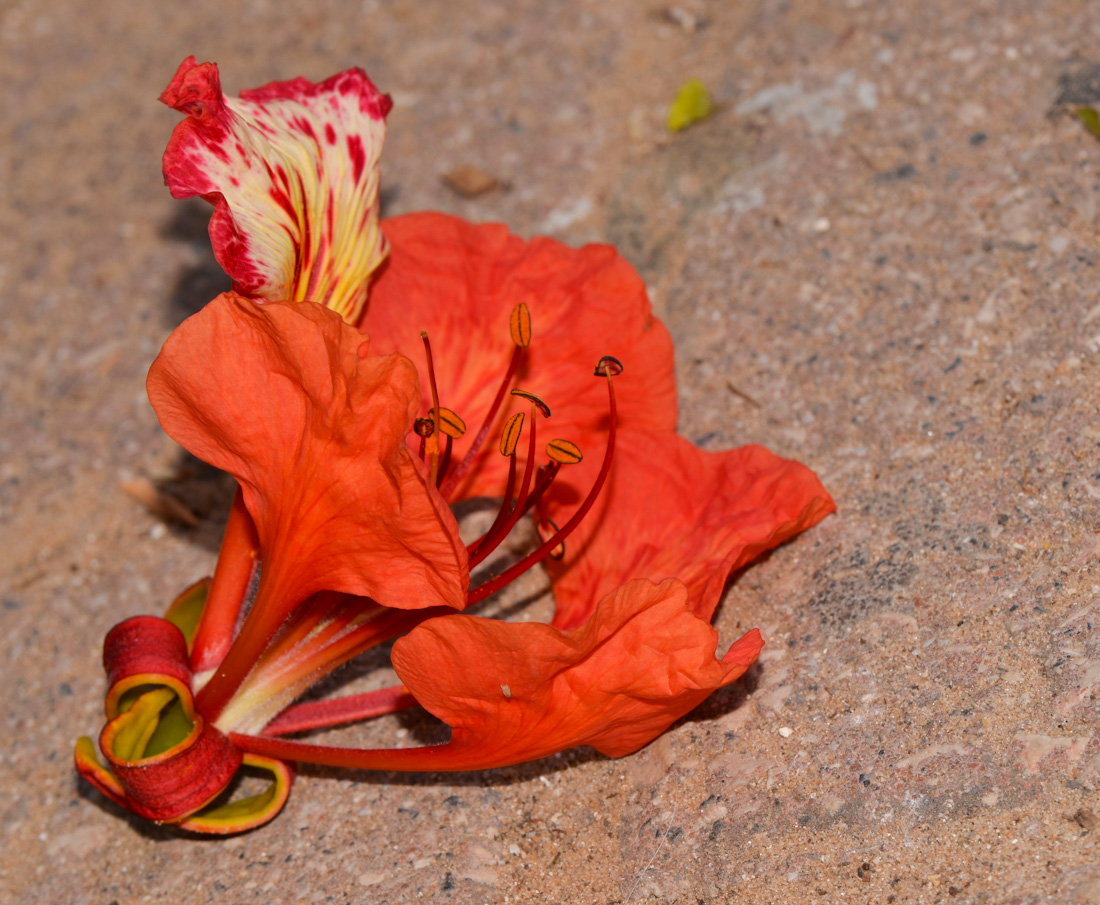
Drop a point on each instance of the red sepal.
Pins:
(175, 784)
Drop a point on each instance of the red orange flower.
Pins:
(348, 455)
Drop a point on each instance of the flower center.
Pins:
(535, 479)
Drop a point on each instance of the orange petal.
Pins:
(642, 660)
(670, 509)
(292, 169)
(283, 397)
(461, 283)
(516, 692)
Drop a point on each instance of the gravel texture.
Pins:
(878, 255)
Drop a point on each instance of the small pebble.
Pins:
(786, 732)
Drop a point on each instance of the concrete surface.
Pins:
(885, 238)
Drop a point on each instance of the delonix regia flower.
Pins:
(335, 383)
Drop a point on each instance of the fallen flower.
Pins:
(348, 456)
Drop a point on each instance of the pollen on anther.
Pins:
(564, 451)
(510, 437)
(531, 397)
(450, 424)
(608, 366)
(519, 324)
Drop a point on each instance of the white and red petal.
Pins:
(292, 170)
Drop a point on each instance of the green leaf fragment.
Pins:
(693, 103)
(1091, 118)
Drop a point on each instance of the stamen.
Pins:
(451, 426)
(546, 529)
(424, 429)
(504, 511)
(532, 398)
(520, 327)
(519, 324)
(510, 437)
(607, 367)
(433, 439)
(565, 452)
(546, 475)
(562, 452)
(445, 462)
(512, 511)
(450, 423)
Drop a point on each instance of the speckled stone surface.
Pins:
(879, 256)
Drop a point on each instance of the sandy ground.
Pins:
(879, 256)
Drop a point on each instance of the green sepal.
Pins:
(186, 610)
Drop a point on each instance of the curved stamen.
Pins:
(519, 326)
(608, 367)
(546, 475)
(445, 462)
(432, 441)
(501, 527)
(546, 529)
(483, 433)
(502, 513)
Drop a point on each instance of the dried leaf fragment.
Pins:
(161, 504)
(1086, 819)
(469, 181)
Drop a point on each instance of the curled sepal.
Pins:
(171, 784)
(164, 761)
(144, 651)
(247, 813)
(292, 171)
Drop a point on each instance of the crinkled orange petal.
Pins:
(670, 509)
(460, 282)
(292, 170)
(284, 397)
(641, 661)
(514, 692)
